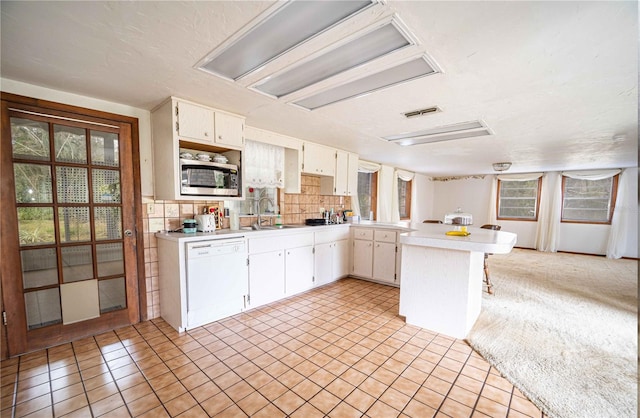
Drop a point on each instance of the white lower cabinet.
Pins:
(362, 258)
(279, 266)
(298, 272)
(383, 269)
(331, 254)
(375, 255)
(266, 277)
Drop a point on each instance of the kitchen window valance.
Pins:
(264, 165)
(519, 177)
(368, 167)
(591, 175)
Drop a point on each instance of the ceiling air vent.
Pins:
(422, 112)
(441, 133)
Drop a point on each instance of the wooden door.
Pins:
(68, 227)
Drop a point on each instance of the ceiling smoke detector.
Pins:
(422, 112)
(501, 166)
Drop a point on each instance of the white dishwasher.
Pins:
(217, 280)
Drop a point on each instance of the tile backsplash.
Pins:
(168, 215)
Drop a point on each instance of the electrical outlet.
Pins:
(150, 208)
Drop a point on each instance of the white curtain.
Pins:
(548, 230)
(363, 167)
(395, 198)
(620, 219)
(264, 165)
(385, 193)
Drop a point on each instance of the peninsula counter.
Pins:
(442, 275)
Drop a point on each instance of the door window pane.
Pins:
(108, 223)
(70, 144)
(39, 267)
(43, 308)
(106, 186)
(35, 226)
(32, 183)
(73, 185)
(30, 139)
(104, 149)
(74, 224)
(110, 259)
(77, 263)
(404, 199)
(112, 295)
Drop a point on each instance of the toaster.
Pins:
(206, 223)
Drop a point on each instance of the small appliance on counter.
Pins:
(189, 226)
(315, 221)
(206, 223)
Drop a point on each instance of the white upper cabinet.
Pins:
(195, 122)
(204, 125)
(318, 159)
(345, 180)
(229, 130)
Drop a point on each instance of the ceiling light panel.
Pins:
(374, 44)
(290, 25)
(410, 70)
(441, 133)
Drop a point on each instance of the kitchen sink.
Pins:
(270, 227)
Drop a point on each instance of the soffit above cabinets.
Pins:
(334, 53)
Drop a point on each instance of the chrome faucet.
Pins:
(258, 224)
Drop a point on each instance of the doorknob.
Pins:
(128, 233)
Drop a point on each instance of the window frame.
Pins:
(509, 218)
(612, 204)
(374, 196)
(407, 202)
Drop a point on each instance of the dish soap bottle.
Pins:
(278, 220)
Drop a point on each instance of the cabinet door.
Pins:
(298, 270)
(195, 122)
(362, 258)
(352, 175)
(229, 130)
(341, 179)
(266, 277)
(340, 259)
(323, 263)
(318, 159)
(384, 262)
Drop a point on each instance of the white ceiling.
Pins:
(555, 81)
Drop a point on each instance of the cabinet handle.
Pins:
(377, 245)
(219, 136)
(206, 134)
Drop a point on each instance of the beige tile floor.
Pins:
(336, 351)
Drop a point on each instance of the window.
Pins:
(518, 200)
(588, 201)
(368, 195)
(404, 198)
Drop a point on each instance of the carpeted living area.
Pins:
(563, 329)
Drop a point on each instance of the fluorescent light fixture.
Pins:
(408, 71)
(289, 26)
(372, 45)
(441, 133)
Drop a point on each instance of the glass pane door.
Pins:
(73, 202)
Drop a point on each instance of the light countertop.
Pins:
(481, 240)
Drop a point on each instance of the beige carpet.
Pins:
(563, 329)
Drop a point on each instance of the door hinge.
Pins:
(249, 299)
(313, 251)
(4, 318)
(395, 277)
(247, 261)
(177, 127)
(313, 279)
(396, 248)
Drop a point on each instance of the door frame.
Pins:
(9, 347)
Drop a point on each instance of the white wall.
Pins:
(473, 195)
(144, 119)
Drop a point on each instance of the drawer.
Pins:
(323, 237)
(363, 233)
(385, 235)
(273, 243)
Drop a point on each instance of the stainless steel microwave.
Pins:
(207, 178)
